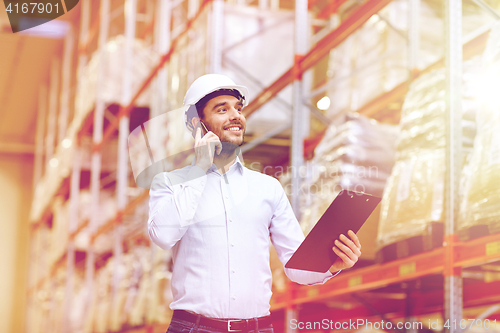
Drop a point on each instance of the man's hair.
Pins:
(197, 109)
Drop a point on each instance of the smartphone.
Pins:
(206, 130)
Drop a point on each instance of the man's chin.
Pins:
(237, 141)
(230, 146)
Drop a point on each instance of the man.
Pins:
(217, 216)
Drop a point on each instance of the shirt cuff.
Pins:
(336, 273)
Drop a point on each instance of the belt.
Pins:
(225, 325)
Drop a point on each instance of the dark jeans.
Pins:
(182, 326)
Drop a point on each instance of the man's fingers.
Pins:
(348, 251)
(348, 261)
(351, 244)
(355, 239)
(210, 136)
(214, 142)
(197, 136)
(218, 147)
(206, 139)
(344, 248)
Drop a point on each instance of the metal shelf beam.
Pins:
(453, 299)
(470, 253)
(394, 306)
(316, 53)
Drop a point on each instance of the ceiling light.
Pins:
(324, 103)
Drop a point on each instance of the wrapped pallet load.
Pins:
(136, 306)
(412, 205)
(357, 155)
(160, 294)
(107, 211)
(59, 231)
(100, 302)
(111, 66)
(79, 297)
(125, 287)
(141, 296)
(480, 207)
(373, 59)
(56, 313)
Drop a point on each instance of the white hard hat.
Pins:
(205, 85)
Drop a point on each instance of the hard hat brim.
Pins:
(242, 90)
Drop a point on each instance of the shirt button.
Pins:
(233, 271)
(234, 297)
(230, 220)
(202, 183)
(232, 244)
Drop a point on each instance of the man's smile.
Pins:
(234, 128)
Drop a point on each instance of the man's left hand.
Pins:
(347, 250)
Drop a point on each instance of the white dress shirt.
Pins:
(218, 227)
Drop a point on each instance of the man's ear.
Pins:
(194, 122)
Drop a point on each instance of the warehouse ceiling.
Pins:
(25, 65)
(25, 62)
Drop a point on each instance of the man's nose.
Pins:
(235, 114)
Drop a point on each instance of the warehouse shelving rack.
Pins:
(465, 254)
(454, 255)
(448, 260)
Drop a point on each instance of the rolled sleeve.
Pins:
(286, 236)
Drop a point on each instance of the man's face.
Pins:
(222, 115)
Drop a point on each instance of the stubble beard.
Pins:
(228, 147)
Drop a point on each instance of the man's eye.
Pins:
(222, 110)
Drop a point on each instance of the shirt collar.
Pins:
(237, 164)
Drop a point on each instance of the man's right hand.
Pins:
(204, 148)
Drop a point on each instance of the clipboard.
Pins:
(348, 211)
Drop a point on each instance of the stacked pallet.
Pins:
(412, 205)
(142, 296)
(357, 155)
(480, 213)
